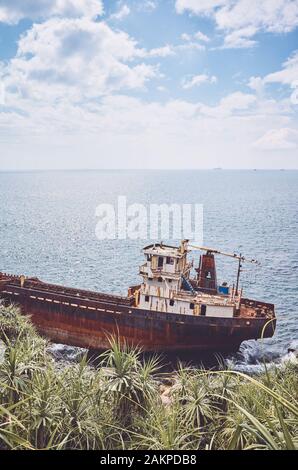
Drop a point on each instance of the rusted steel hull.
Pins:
(85, 322)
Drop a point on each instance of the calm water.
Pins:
(47, 229)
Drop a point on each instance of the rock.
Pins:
(165, 394)
(293, 348)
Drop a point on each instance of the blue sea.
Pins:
(48, 221)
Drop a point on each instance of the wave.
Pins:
(62, 352)
(255, 357)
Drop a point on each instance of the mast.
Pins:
(240, 258)
(238, 274)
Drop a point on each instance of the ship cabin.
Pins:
(167, 285)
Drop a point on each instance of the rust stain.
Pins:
(85, 319)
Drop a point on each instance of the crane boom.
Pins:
(218, 252)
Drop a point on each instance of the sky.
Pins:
(165, 84)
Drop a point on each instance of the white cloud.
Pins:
(256, 83)
(64, 98)
(75, 58)
(288, 76)
(201, 36)
(289, 73)
(122, 13)
(198, 7)
(185, 37)
(232, 105)
(198, 36)
(12, 11)
(164, 51)
(198, 80)
(268, 15)
(190, 46)
(242, 19)
(121, 131)
(278, 139)
(237, 101)
(2, 94)
(240, 38)
(148, 6)
(170, 50)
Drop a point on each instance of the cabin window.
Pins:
(149, 257)
(160, 261)
(147, 298)
(192, 306)
(170, 260)
(159, 279)
(170, 280)
(172, 302)
(203, 310)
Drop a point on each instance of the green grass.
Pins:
(118, 404)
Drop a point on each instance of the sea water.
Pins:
(48, 222)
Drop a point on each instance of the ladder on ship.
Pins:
(186, 285)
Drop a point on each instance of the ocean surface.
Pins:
(48, 221)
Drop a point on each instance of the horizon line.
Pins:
(45, 170)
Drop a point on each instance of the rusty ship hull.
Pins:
(87, 319)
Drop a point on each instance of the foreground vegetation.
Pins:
(122, 404)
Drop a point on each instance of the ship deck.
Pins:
(252, 309)
(10, 284)
(40, 287)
